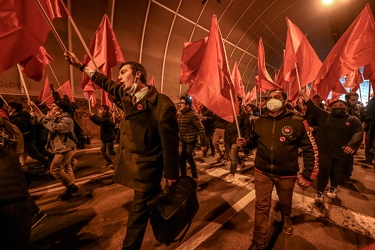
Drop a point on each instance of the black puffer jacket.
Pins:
(277, 140)
(336, 132)
(190, 127)
(12, 179)
(107, 133)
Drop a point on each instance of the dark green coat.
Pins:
(148, 138)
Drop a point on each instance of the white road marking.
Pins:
(57, 186)
(213, 226)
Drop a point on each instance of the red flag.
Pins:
(55, 8)
(237, 81)
(251, 95)
(105, 99)
(353, 80)
(298, 51)
(152, 82)
(34, 66)
(23, 30)
(105, 50)
(66, 89)
(192, 56)
(335, 96)
(212, 84)
(46, 94)
(265, 81)
(354, 49)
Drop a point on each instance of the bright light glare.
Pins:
(327, 2)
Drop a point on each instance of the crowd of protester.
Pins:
(334, 131)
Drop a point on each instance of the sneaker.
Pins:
(287, 226)
(229, 178)
(36, 218)
(68, 193)
(240, 166)
(319, 198)
(332, 192)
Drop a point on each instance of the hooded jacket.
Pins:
(278, 139)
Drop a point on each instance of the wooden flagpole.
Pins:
(23, 82)
(297, 74)
(51, 26)
(5, 102)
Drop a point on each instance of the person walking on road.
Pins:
(62, 143)
(339, 136)
(190, 127)
(148, 140)
(278, 134)
(107, 132)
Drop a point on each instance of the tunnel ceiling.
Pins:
(153, 32)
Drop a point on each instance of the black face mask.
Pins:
(338, 111)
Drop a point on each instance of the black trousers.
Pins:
(138, 219)
(187, 155)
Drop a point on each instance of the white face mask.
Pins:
(274, 105)
(132, 89)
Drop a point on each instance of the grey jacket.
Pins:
(61, 137)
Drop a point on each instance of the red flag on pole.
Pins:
(354, 49)
(265, 81)
(66, 89)
(353, 80)
(34, 66)
(105, 50)
(212, 84)
(152, 82)
(46, 94)
(192, 56)
(23, 30)
(106, 53)
(237, 81)
(298, 52)
(55, 8)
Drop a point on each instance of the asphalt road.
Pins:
(96, 217)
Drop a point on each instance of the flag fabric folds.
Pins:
(353, 80)
(106, 53)
(237, 81)
(192, 56)
(22, 25)
(354, 49)
(369, 73)
(46, 94)
(298, 52)
(212, 84)
(33, 66)
(265, 81)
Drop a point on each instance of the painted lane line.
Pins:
(213, 226)
(340, 216)
(57, 186)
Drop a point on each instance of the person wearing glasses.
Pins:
(190, 128)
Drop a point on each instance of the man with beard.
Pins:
(277, 135)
